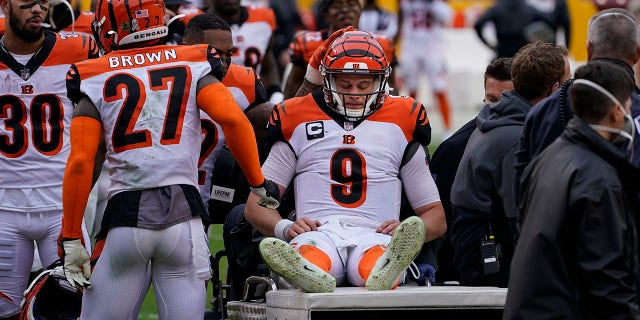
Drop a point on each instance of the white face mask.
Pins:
(628, 130)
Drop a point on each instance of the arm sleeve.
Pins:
(422, 130)
(274, 127)
(78, 175)
(90, 45)
(280, 165)
(417, 181)
(73, 84)
(216, 100)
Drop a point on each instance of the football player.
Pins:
(247, 89)
(421, 40)
(64, 19)
(350, 148)
(34, 141)
(223, 189)
(339, 14)
(252, 28)
(142, 101)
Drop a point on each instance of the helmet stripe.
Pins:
(368, 44)
(129, 16)
(112, 18)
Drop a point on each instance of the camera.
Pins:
(490, 254)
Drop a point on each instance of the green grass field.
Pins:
(149, 310)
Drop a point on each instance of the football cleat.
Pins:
(286, 262)
(405, 245)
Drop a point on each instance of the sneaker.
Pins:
(285, 261)
(405, 245)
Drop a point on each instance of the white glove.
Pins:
(77, 267)
(268, 193)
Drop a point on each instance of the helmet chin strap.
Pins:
(351, 113)
(176, 17)
(53, 4)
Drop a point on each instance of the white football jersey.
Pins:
(35, 115)
(147, 103)
(345, 168)
(247, 91)
(423, 20)
(252, 36)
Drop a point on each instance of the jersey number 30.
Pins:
(45, 114)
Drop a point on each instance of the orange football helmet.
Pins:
(122, 22)
(355, 53)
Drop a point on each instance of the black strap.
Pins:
(564, 103)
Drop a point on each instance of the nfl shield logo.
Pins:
(348, 125)
(25, 73)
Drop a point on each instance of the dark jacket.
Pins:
(547, 119)
(576, 256)
(511, 18)
(482, 193)
(443, 166)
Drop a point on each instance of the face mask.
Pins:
(628, 130)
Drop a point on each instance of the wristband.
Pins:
(281, 229)
(313, 75)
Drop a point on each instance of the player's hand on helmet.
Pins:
(269, 194)
(313, 69)
(77, 267)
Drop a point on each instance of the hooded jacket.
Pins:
(576, 256)
(546, 120)
(482, 193)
